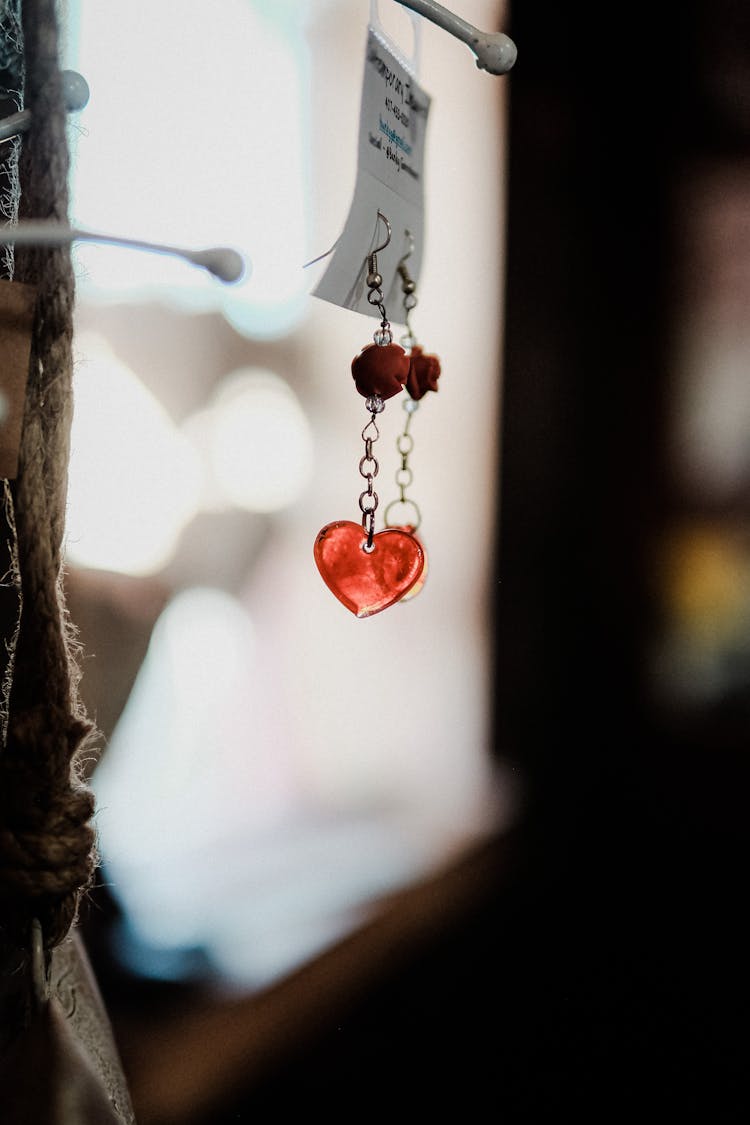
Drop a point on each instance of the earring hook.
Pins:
(401, 269)
(410, 251)
(388, 239)
(375, 285)
(374, 280)
(408, 288)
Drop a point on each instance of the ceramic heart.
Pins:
(367, 582)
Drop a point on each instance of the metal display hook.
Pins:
(75, 97)
(495, 52)
(224, 262)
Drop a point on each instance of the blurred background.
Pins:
(286, 762)
(467, 848)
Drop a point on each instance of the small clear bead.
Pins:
(375, 404)
(382, 337)
(410, 405)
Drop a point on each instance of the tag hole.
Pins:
(398, 25)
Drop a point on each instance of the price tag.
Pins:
(390, 179)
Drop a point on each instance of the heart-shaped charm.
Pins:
(367, 582)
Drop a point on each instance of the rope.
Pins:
(47, 841)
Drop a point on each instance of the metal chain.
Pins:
(405, 441)
(368, 468)
(404, 474)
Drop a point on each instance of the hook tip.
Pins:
(388, 228)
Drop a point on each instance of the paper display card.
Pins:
(390, 179)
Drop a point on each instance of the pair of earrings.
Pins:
(369, 571)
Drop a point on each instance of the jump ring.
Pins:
(412, 524)
(369, 507)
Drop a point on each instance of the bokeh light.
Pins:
(134, 480)
(256, 442)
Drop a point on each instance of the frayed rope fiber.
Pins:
(47, 841)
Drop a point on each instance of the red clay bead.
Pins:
(424, 372)
(380, 369)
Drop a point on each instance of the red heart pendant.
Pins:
(367, 581)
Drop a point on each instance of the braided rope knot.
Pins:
(52, 857)
(48, 852)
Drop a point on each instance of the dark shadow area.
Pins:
(637, 826)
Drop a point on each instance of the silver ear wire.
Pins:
(374, 280)
(408, 288)
(408, 285)
(375, 286)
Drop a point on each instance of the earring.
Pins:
(424, 371)
(369, 572)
